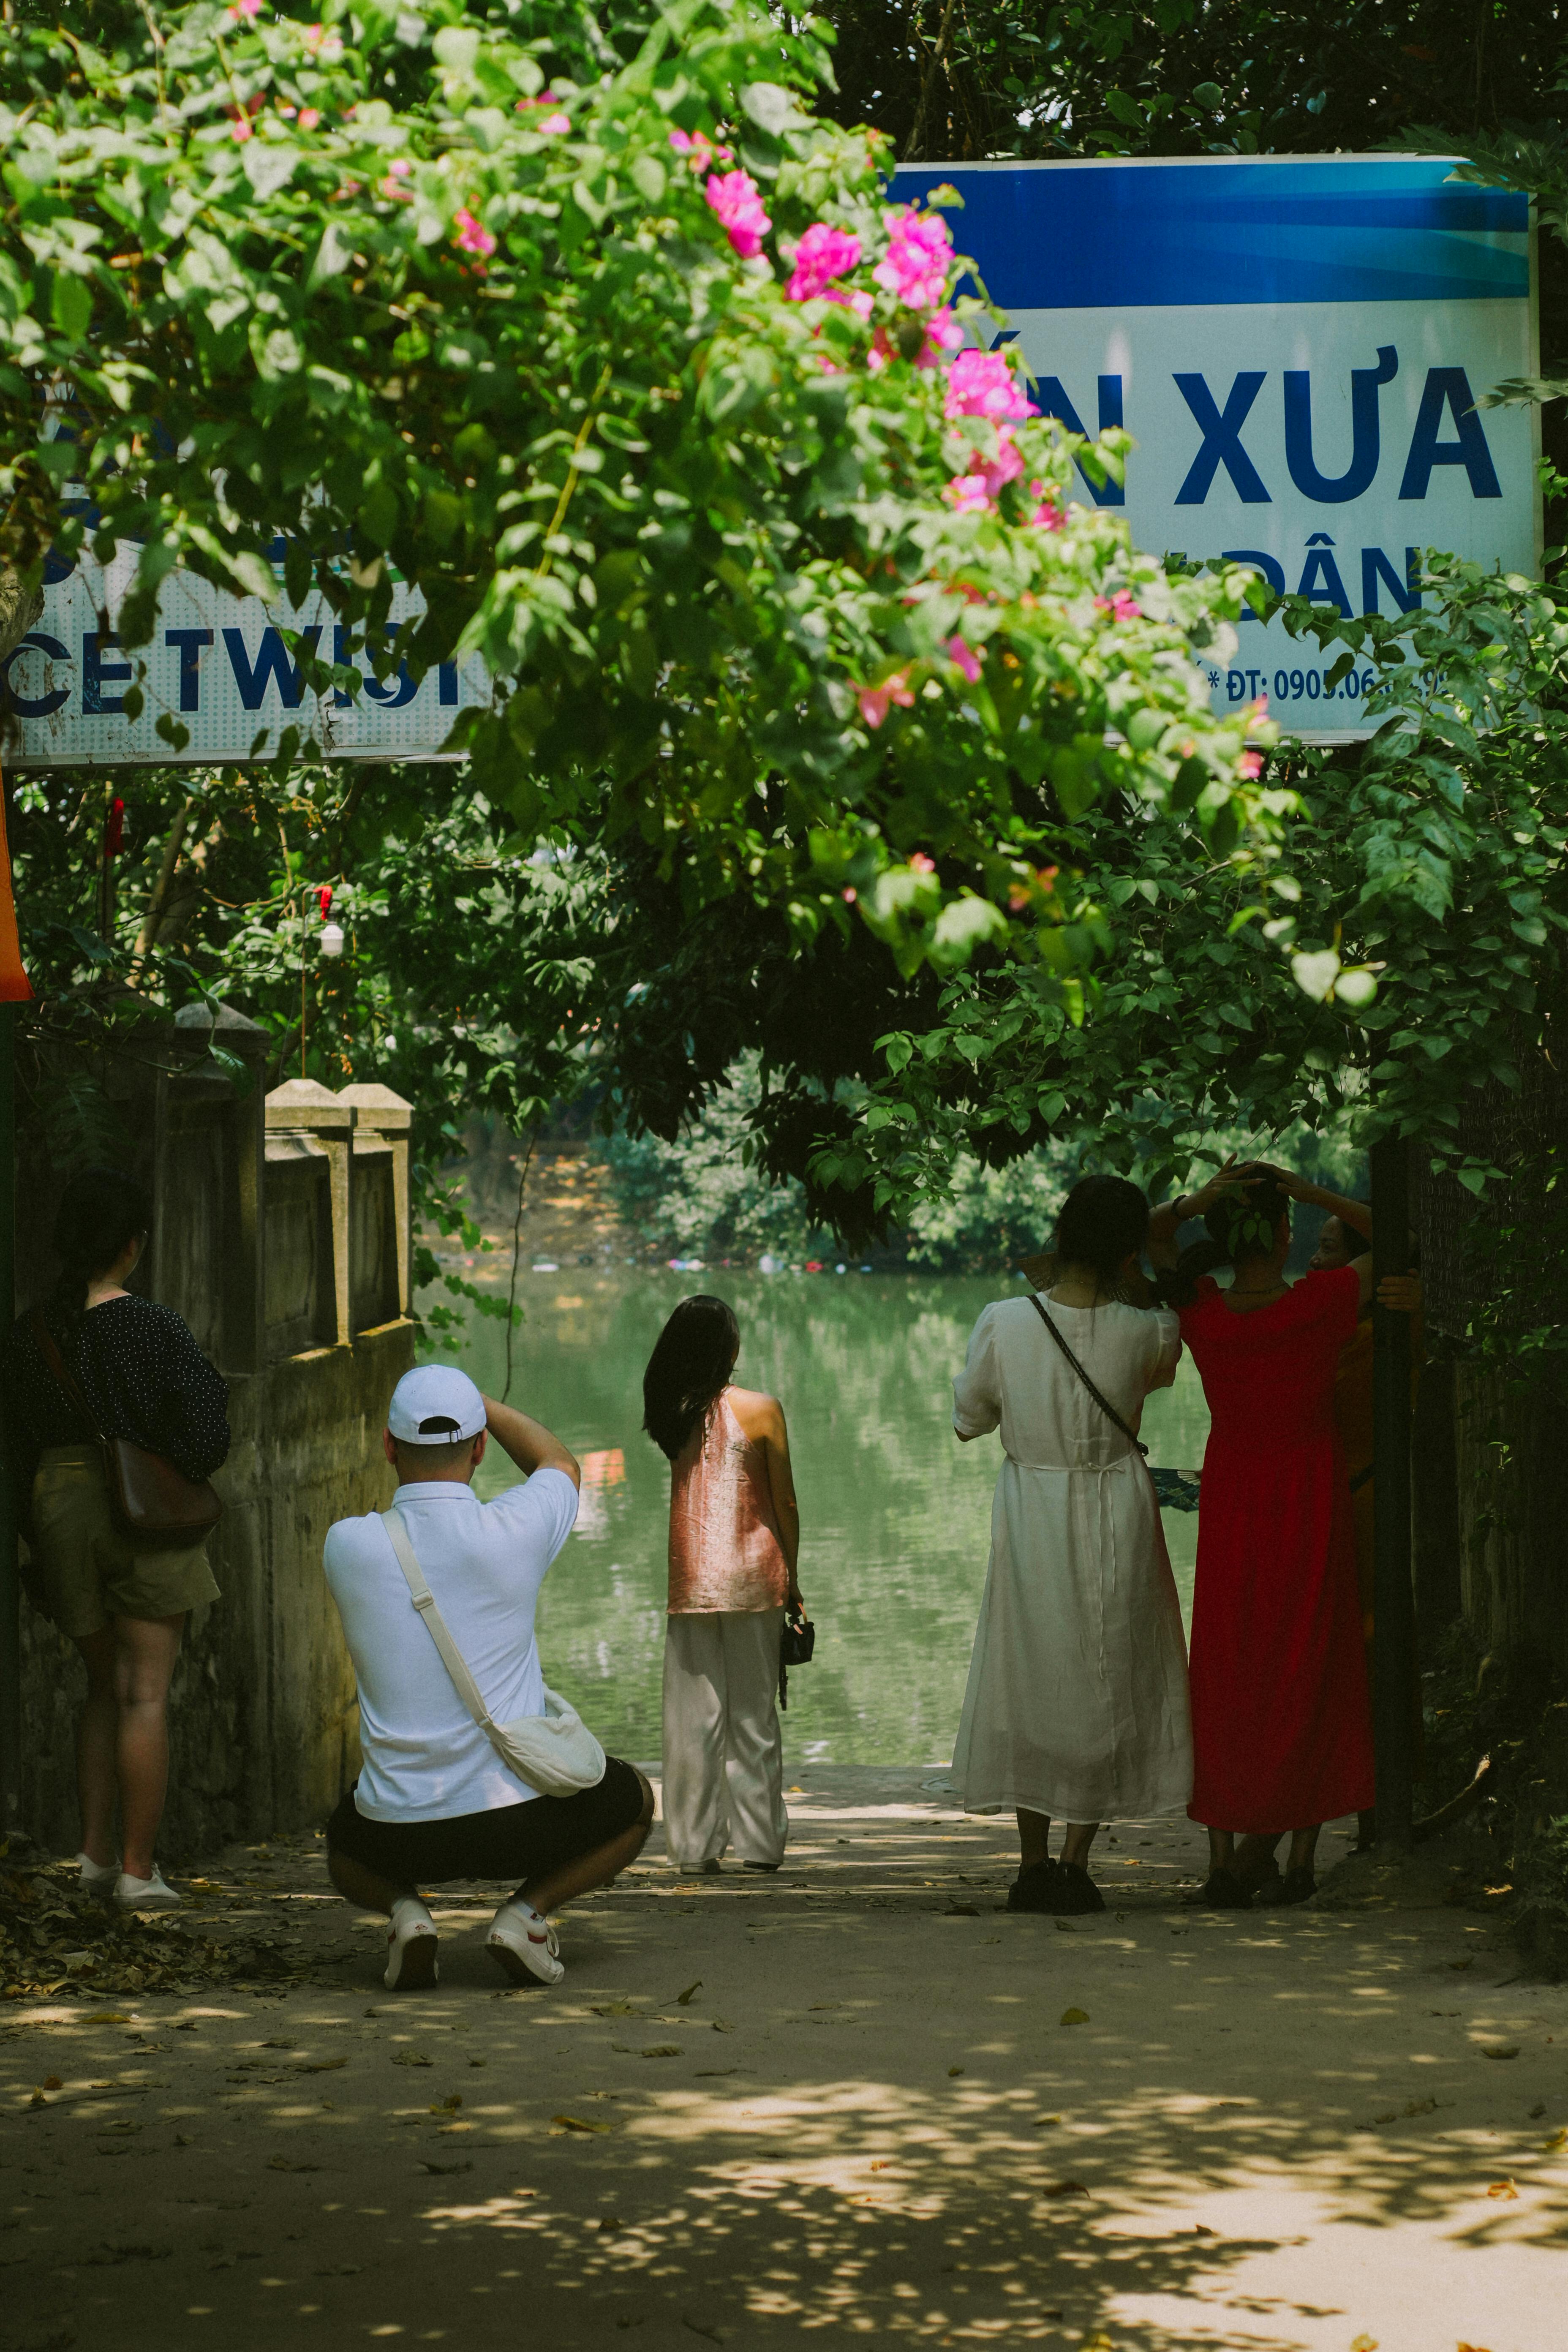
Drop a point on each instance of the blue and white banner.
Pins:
(219, 675)
(1295, 344)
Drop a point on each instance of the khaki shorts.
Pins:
(84, 1571)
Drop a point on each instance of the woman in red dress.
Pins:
(1281, 1724)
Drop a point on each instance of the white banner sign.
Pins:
(1294, 344)
(217, 667)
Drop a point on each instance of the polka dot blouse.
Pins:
(142, 1372)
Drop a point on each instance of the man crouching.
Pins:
(433, 1800)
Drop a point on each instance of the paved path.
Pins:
(840, 2104)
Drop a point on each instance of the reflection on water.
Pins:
(895, 1514)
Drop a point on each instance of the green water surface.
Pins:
(895, 1514)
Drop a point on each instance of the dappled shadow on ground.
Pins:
(765, 2111)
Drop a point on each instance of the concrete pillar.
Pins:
(304, 1108)
(386, 1116)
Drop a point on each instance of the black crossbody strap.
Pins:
(1106, 1407)
(64, 1377)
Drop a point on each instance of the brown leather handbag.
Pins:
(155, 1507)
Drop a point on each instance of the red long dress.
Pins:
(1281, 1726)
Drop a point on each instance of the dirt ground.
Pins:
(855, 2101)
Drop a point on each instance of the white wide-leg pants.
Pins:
(723, 1752)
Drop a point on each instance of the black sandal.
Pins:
(1034, 1888)
(1298, 1886)
(1076, 1894)
(1223, 1891)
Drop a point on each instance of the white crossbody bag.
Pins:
(554, 1752)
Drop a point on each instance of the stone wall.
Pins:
(295, 1278)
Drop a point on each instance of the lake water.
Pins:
(895, 1514)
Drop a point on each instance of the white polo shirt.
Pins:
(425, 1758)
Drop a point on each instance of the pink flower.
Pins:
(321, 43)
(1121, 606)
(921, 863)
(874, 699)
(967, 658)
(471, 235)
(250, 8)
(700, 150)
(1006, 466)
(919, 256)
(554, 123)
(968, 494)
(849, 896)
(733, 196)
(241, 130)
(309, 118)
(399, 169)
(1047, 514)
(981, 384)
(822, 255)
(1250, 765)
(1261, 706)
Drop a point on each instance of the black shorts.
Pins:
(520, 1843)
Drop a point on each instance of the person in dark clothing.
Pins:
(145, 1380)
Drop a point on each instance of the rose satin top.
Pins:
(724, 1548)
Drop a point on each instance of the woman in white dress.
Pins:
(1076, 1703)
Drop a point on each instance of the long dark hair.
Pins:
(1102, 1220)
(689, 1367)
(100, 1212)
(1241, 1225)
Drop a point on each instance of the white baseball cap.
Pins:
(434, 1404)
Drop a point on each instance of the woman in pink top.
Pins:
(734, 1535)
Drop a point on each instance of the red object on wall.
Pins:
(325, 896)
(114, 829)
(16, 988)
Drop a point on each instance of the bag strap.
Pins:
(1106, 1407)
(452, 1658)
(66, 1378)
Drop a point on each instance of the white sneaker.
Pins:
(152, 1893)
(523, 1946)
(96, 1877)
(411, 1945)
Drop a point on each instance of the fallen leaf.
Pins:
(449, 2105)
(1363, 2343)
(431, 2165)
(953, 2070)
(1457, 1965)
(1502, 2190)
(1500, 2050)
(662, 2050)
(1558, 2141)
(324, 2066)
(1095, 2344)
(38, 2100)
(1064, 1927)
(1418, 2107)
(615, 2008)
(1064, 2188)
(705, 2328)
(575, 2123)
(1041, 2121)
(723, 2025)
(686, 1998)
(961, 1911)
(290, 2164)
(708, 2073)
(410, 2058)
(108, 2017)
(1075, 2016)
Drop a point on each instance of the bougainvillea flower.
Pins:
(968, 494)
(822, 255)
(250, 8)
(309, 117)
(1250, 765)
(981, 384)
(471, 235)
(966, 656)
(1047, 514)
(699, 149)
(921, 863)
(875, 699)
(322, 43)
(919, 257)
(733, 196)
